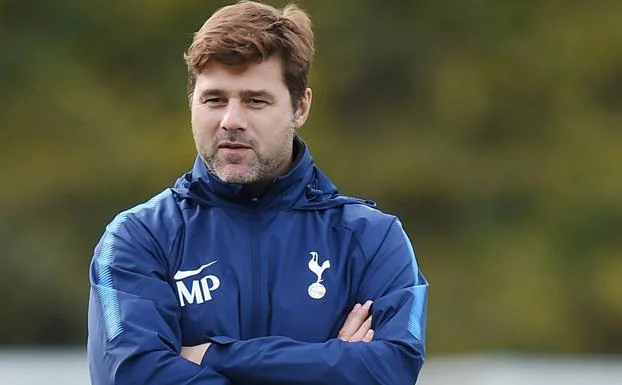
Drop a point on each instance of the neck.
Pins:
(256, 189)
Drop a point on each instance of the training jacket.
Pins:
(268, 280)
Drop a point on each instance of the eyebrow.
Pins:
(245, 94)
(249, 94)
(213, 92)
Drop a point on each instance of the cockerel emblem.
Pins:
(316, 289)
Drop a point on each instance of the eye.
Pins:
(214, 101)
(257, 103)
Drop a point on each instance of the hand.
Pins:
(358, 325)
(195, 353)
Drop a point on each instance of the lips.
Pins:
(233, 145)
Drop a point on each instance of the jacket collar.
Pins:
(282, 192)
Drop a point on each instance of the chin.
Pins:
(236, 174)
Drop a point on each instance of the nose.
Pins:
(234, 117)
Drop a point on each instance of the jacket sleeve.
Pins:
(395, 356)
(134, 317)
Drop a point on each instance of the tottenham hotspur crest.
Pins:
(316, 289)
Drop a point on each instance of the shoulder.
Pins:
(379, 235)
(139, 239)
(159, 214)
(368, 223)
(149, 228)
(365, 215)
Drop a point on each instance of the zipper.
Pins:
(256, 272)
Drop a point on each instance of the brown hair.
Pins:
(251, 32)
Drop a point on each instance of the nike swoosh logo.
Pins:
(185, 274)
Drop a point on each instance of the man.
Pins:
(253, 269)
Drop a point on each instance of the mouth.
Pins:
(233, 146)
(234, 150)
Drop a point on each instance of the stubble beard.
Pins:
(261, 168)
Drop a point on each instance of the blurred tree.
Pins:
(491, 128)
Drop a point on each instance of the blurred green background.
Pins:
(492, 128)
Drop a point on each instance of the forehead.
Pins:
(267, 75)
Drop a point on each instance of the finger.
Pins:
(348, 329)
(184, 352)
(363, 323)
(354, 321)
(194, 353)
(362, 331)
(189, 352)
(369, 336)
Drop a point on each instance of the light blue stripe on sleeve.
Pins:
(105, 288)
(107, 294)
(416, 321)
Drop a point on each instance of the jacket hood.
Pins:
(303, 187)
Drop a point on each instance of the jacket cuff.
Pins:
(217, 350)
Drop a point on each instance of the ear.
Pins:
(303, 108)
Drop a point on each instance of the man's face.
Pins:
(243, 122)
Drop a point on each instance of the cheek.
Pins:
(277, 142)
(277, 131)
(204, 126)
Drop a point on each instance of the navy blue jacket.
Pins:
(268, 280)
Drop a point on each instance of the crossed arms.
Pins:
(356, 328)
(135, 332)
